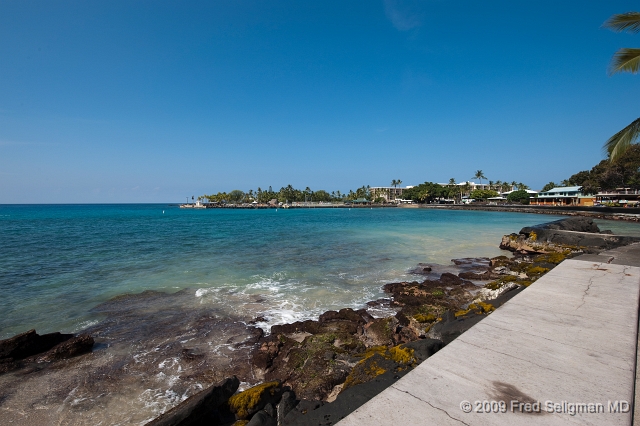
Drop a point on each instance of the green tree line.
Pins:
(286, 194)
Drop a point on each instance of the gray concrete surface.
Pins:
(570, 338)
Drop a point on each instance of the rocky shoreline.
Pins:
(319, 371)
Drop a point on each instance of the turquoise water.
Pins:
(57, 262)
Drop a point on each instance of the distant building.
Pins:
(389, 193)
(562, 196)
(623, 196)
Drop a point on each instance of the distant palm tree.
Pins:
(479, 175)
(624, 60)
(514, 184)
(490, 184)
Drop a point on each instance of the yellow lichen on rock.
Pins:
(424, 317)
(242, 403)
(533, 236)
(462, 313)
(486, 307)
(402, 355)
(553, 257)
(536, 270)
(240, 423)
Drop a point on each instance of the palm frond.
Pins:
(625, 60)
(621, 141)
(624, 22)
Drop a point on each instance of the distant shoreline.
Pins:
(607, 213)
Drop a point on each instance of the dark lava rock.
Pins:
(379, 303)
(262, 418)
(297, 416)
(576, 223)
(472, 261)
(201, 408)
(451, 279)
(287, 403)
(351, 398)
(28, 344)
(485, 276)
(577, 232)
(73, 347)
(360, 317)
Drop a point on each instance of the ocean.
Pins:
(59, 261)
(198, 278)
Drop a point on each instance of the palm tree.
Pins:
(624, 60)
(513, 185)
(479, 175)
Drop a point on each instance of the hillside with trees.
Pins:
(624, 172)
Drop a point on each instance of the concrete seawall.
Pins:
(565, 346)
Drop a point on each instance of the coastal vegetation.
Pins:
(622, 172)
(520, 196)
(287, 194)
(624, 60)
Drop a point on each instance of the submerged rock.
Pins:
(29, 343)
(29, 348)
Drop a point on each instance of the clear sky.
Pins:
(153, 101)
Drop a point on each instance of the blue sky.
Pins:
(153, 101)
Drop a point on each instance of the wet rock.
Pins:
(258, 319)
(383, 303)
(361, 316)
(73, 347)
(28, 344)
(190, 355)
(472, 261)
(201, 408)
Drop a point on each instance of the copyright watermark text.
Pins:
(562, 407)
